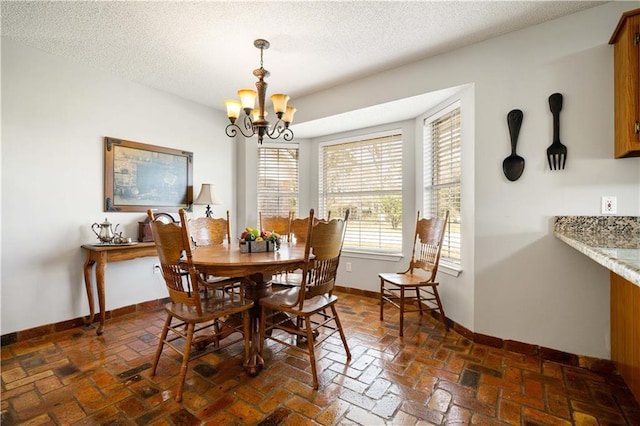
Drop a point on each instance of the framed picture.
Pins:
(138, 177)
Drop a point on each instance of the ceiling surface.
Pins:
(203, 51)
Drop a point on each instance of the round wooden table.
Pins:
(227, 261)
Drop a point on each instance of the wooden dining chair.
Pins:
(207, 231)
(299, 227)
(193, 312)
(412, 289)
(299, 230)
(308, 312)
(298, 234)
(278, 224)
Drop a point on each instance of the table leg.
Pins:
(100, 267)
(256, 290)
(88, 266)
(254, 364)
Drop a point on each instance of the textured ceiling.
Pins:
(204, 51)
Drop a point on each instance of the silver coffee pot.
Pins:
(106, 231)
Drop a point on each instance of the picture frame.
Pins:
(139, 176)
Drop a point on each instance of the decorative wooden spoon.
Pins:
(513, 165)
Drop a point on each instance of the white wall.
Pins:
(520, 282)
(55, 114)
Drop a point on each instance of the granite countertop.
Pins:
(612, 241)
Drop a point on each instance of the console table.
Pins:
(100, 255)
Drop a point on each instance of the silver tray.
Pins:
(133, 243)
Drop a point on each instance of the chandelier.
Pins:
(253, 120)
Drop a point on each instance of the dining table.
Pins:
(256, 270)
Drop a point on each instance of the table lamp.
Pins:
(207, 197)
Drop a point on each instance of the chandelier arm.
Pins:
(287, 135)
(280, 129)
(276, 130)
(248, 125)
(232, 131)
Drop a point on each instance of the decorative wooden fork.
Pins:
(557, 152)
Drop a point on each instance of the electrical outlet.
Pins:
(609, 205)
(156, 268)
(348, 266)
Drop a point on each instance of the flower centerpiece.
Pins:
(253, 240)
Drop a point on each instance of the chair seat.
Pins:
(289, 279)
(407, 279)
(214, 279)
(288, 297)
(230, 284)
(211, 309)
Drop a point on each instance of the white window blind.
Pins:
(277, 181)
(365, 176)
(442, 170)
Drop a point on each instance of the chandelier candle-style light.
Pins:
(253, 120)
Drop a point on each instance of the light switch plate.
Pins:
(609, 205)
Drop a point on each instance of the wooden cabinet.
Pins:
(626, 41)
(625, 331)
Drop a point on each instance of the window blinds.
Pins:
(277, 181)
(442, 170)
(365, 176)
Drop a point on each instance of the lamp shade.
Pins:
(233, 108)
(288, 116)
(279, 102)
(207, 195)
(247, 98)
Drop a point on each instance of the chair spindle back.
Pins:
(427, 244)
(174, 251)
(324, 242)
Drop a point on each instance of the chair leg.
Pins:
(444, 317)
(401, 311)
(299, 321)
(263, 328)
(419, 299)
(312, 355)
(381, 299)
(163, 337)
(217, 333)
(185, 360)
(342, 336)
(246, 330)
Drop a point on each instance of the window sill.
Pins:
(449, 269)
(387, 257)
(444, 267)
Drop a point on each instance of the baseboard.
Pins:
(44, 330)
(603, 366)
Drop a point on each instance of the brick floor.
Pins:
(429, 377)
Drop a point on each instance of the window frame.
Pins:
(449, 265)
